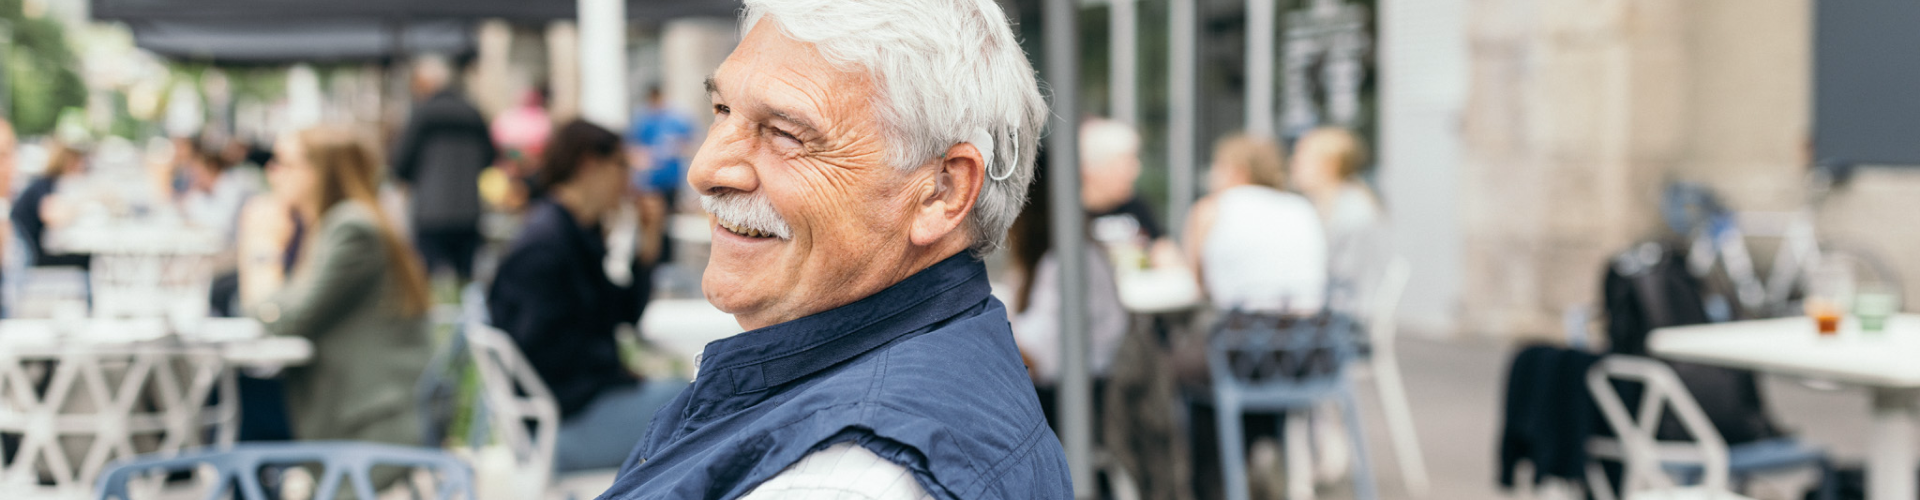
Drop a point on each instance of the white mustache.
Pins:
(750, 212)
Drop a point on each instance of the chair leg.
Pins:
(1363, 487)
(1233, 455)
(1393, 402)
(1829, 481)
(1298, 431)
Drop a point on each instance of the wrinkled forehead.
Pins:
(770, 72)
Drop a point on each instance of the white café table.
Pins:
(1886, 363)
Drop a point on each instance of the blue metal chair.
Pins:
(1273, 363)
(340, 462)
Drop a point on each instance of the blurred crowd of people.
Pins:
(329, 237)
(1283, 234)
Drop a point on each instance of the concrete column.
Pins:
(1182, 102)
(1076, 383)
(563, 61)
(1261, 34)
(1123, 56)
(489, 86)
(603, 63)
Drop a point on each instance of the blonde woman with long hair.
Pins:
(358, 292)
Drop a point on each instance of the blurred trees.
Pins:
(39, 70)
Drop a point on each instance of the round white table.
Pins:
(1882, 362)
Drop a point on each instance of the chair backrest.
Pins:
(120, 401)
(515, 397)
(340, 462)
(1281, 356)
(1644, 453)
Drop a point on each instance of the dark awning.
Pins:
(316, 40)
(512, 10)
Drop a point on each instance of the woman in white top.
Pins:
(1255, 247)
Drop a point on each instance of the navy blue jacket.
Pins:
(924, 374)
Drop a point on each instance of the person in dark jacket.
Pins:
(441, 152)
(29, 215)
(553, 297)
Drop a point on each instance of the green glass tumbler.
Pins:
(1873, 309)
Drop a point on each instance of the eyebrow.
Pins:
(713, 90)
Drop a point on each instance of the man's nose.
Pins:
(724, 162)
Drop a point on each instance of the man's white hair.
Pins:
(949, 72)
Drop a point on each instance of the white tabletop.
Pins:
(685, 326)
(133, 237)
(1792, 346)
(1158, 290)
(242, 341)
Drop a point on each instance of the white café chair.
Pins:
(1383, 366)
(514, 398)
(1643, 455)
(77, 407)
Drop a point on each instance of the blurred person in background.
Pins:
(552, 295)
(521, 133)
(661, 135)
(1254, 246)
(1036, 306)
(217, 190)
(1257, 249)
(9, 164)
(1109, 168)
(441, 152)
(38, 208)
(357, 292)
(1327, 166)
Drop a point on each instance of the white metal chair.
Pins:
(1383, 365)
(515, 397)
(74, 408)
(1647, 459)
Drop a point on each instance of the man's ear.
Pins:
(948, 194)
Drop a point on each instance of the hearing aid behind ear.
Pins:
(983, 140)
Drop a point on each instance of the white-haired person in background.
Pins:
(864, 155)
(1109, 168)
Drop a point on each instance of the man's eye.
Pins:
(721, 109)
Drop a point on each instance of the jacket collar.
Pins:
(775, 355)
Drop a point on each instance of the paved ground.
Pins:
(1455, 389)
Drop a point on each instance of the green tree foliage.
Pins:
(40, 72)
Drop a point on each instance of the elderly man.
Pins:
(864, 154)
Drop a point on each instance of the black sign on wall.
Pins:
(1866, 103)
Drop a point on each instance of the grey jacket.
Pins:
(368, 354)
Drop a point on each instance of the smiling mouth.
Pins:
(743, 231)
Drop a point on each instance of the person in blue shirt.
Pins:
(662, 134)
(864, 156)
